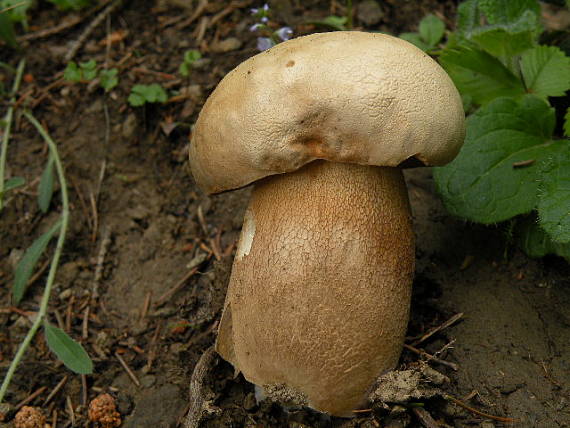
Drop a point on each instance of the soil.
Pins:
(147, 256)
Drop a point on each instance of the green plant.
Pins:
(70, 4)
(190, 57)
(142, 94)
(88, 71)
(512, 162)
(338, 23)
(430, 33)
(66, 349)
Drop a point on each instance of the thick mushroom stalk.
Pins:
(319, 295)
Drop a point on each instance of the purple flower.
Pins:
(264, 19)
(284, 33)
(255, 27)
(264, 43)
(263, 10)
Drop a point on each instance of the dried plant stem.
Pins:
(55, 261)
(8, 120)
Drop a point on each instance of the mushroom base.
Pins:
(319, 294)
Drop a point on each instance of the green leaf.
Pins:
(335, 22)
(546, 71)
(70, 4)
(567, 123)
(141, 94)
(508, 11)
(507, 40)
(431, 29)
(28, 263)
(68, 351)
(108, 79)
(554, 198)
(191, 56)
(89, 69)
(7, 31)
(45, 189)
(16, 10)
(13, 183)
(479, 74)
(496, 174)
(72, 72)
(467, 17)
(535, 242)
(415, 39)
(136, 100)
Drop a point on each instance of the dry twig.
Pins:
(478, 412)
(434, 330)
(128, 370)
(430, 357)
(89, 29)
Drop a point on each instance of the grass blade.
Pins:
(70, 352)
(26, 266)
(45, 189)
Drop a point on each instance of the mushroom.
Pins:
(318, 300)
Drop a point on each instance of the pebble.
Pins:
(129, 126)
(226, 45)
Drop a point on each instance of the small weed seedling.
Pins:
(142, 94)
(88, 71)
(190, 57)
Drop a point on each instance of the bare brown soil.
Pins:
(139, 220)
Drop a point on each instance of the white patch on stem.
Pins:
(247, 234)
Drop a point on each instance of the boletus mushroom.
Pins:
(319, 294)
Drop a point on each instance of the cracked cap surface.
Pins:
(345, 96)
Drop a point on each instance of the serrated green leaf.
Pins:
(535, 242)
(13, 183)
(479, 74)
(72, 72)
(554, 197)
(26, 266)
(507, 40)
(495, 176)
(431, 29)
(546, 71)
(508, 11)
(567, 123)
(68, 351)
(45, 188)
(415, 39)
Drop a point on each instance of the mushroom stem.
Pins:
(319, 295)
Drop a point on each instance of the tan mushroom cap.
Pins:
(348, 96)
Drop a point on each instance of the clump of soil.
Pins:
(144, 270)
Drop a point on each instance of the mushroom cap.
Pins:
(346, 96)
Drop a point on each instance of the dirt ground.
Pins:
(148, 255)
